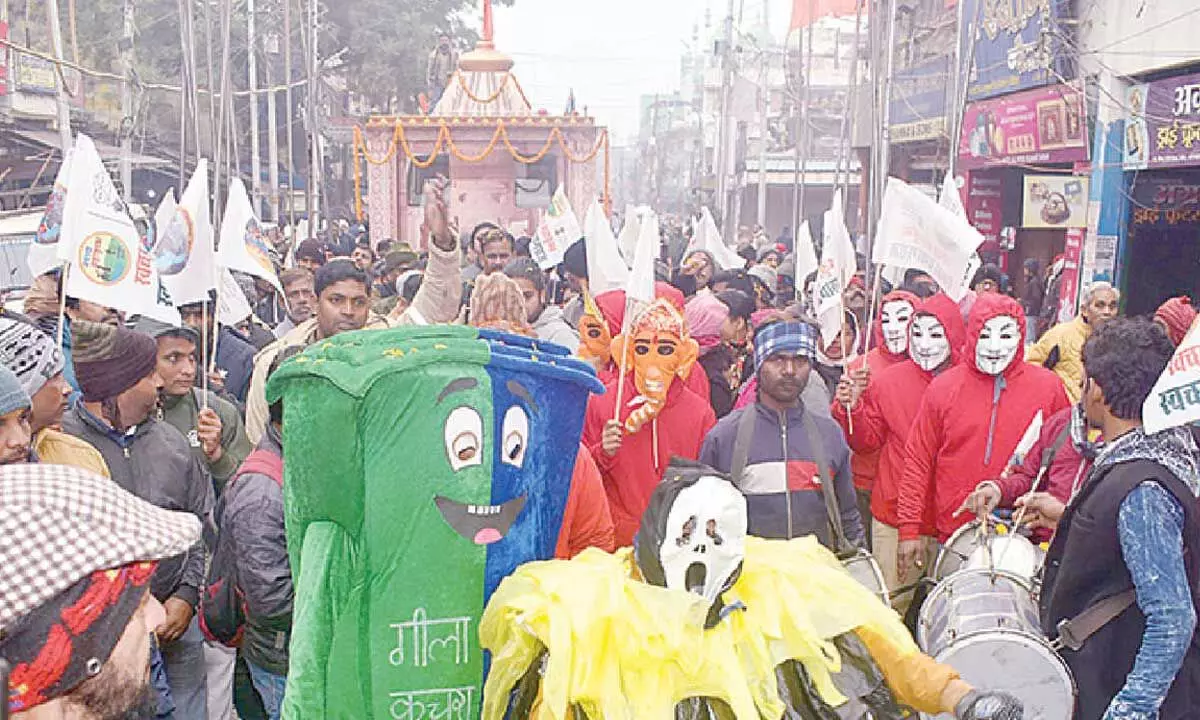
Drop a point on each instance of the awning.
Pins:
(108, 153)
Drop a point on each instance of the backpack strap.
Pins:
(741, 445)
(261, 462)
(842, 546)
(1049, 453)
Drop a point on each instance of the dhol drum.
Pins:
(863, 568)
(998, 549)
(985, 625)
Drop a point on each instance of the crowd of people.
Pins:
(907, 424)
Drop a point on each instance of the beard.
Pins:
(114, 694)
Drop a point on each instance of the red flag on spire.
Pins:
(805, 11)
(489, 34)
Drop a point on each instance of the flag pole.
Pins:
(204, 354)
(624, 364)
(845, 360)
(62, 303)
(871, 300)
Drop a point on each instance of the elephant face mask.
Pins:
(658, 350)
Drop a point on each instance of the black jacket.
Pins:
(253, 515)
(1084, 566)
(155, 462)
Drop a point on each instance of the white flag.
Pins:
(606, 269)
(558, 230)
(950, 198)
(186, 259)
(110, 263)
(707, 236)
(627, 239)
(640, 291)
(43, 251)
(163, 215)
(806, 254)
(1175, 399)
(916, 232)
(243, 246)
(836, 270)
(1032, 432)
(232, 305)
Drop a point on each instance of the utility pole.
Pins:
(126, 48)
(291, 165)
(212, 86)
(252, 73)
(272, 129)
(221, 161)
(64, 111)
(313, 197)
(806, 93)
(723, 129)
(764, 108)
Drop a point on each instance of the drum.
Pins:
(1000, 550)
(863, 568)
(985, 625)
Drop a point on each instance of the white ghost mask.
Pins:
(705, 541)
(997, 344)
(894, 318)
(928, 347)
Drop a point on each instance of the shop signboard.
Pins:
(918, 107)
(1047, 125)
(1167, 200)
(1068, 289)
(35, 75)
(985, 207)
(1162, 128)
(1017, 45)
(926, 35)
(1054, 201)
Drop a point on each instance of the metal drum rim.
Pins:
(926, 608)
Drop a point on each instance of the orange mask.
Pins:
(657, 351)
(594, 338)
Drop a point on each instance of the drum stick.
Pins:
(1019, 517)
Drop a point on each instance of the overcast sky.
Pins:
(610, 51)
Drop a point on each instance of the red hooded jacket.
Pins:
(631, 475)
(612, 306)
(865, 463)
(969, 424)
(884, 415)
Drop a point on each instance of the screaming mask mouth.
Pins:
(480, 524)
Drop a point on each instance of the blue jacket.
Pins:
(781, 452)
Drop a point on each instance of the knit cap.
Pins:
(12, 395)
(110, 360)
(1177, 314)
(30, 353)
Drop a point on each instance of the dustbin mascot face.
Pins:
(693, 534)
(421, 466)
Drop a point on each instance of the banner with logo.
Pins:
(558, 230)
(43, 251)
(110, 263)
(186, 259)
(916, 232)
(1175, 399)
(1162, 125)
(1047, 125)
(244, 246)
(837, 268)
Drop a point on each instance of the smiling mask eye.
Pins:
(464, 438)
(515, 432)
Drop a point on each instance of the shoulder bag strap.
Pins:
(1051, 452)
(1074, 632)
(741, 445)
(828, 491)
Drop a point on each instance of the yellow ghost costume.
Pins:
(618, 648)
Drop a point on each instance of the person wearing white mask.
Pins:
(889, 347)
(882, 416)
(970, 421)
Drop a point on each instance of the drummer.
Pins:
(970, 421)
(1131, 535)
(1051, 473)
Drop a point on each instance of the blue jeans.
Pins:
(187, 674)
(270, 688)
(158, 680)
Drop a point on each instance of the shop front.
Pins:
(1025, 162)
(1162, 160)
